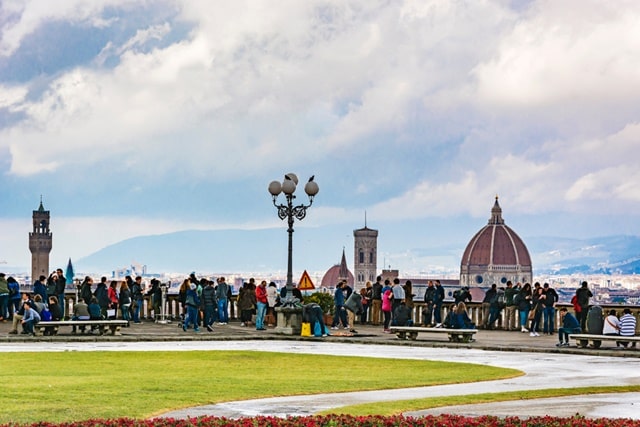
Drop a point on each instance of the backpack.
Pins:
(45, 315)
(457, 294)
(500, 300)
(576, 306)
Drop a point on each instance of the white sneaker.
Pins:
(523, 330)
(536, 334)
(334, 327)
(439, 325)
(532, 334)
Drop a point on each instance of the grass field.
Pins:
(72, 386)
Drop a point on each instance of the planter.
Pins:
(328, 319)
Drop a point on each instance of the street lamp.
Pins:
(288, 187)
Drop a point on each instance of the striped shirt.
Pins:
(627, 325)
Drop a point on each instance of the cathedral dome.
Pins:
(337, 273)
(495, 254)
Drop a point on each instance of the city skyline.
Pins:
(137, 119)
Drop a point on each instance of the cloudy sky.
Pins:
(133, 118)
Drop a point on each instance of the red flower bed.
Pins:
(351, 421)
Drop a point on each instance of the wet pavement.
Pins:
(545, 366)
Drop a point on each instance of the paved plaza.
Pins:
(545, 366)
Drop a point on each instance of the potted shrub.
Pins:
(325, 301)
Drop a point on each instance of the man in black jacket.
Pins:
(376, 302)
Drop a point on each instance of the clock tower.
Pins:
(366, 256)
(40, 243)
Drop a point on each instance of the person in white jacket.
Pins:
(611, 324)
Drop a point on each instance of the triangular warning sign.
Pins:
(305, 283)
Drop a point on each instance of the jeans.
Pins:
(535, 323)
(125, 312)
(564, 332)
(340, 316)
(494, 313)
(387, 319)
(427, 314)
(28, 326)
(524, 316)
(61, 303)
(363, 315)
(136, 311)
(192, 317)
(549, 318)
(261, 309)
(209, 310)
(437, 312)
(223, 315)
(4, 305)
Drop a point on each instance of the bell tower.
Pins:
(365, 254)
(40, 243)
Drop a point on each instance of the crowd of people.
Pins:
(205, 303)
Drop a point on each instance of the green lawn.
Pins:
(70, 386)
(402, 406)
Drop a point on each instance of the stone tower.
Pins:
(365, 253)
(40, 243)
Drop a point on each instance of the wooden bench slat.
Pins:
(102, 325)
(456, 335)
(596, 340)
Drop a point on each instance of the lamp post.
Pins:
(291, 212)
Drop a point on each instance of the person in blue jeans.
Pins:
(31, 317)
(222, 292)
(549, 313)
(340, 315)
(261, 305)
(570, 325)
(192, 304)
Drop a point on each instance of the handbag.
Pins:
(532, 314)
(111, 312)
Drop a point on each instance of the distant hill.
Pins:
(317, 249)
(601, 255)
(218, 251)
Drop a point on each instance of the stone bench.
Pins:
(455, 335)
(582, 340)
(102, 325)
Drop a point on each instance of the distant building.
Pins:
(133, 270)
(495, 254)
(40, 243)
(337, 273)
(365, 253)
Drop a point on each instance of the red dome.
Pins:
(333, 276)
(495, 254)
(496, 244)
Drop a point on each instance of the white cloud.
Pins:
(564, 61)
(539, 105)
(10, 96)
(27, 15)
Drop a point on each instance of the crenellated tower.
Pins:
(40, 243)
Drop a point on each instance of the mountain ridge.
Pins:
(317, 249)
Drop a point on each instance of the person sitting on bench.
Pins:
(402, 315)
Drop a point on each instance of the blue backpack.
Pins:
(45, 316)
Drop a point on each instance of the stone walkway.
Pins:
(544, 364)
